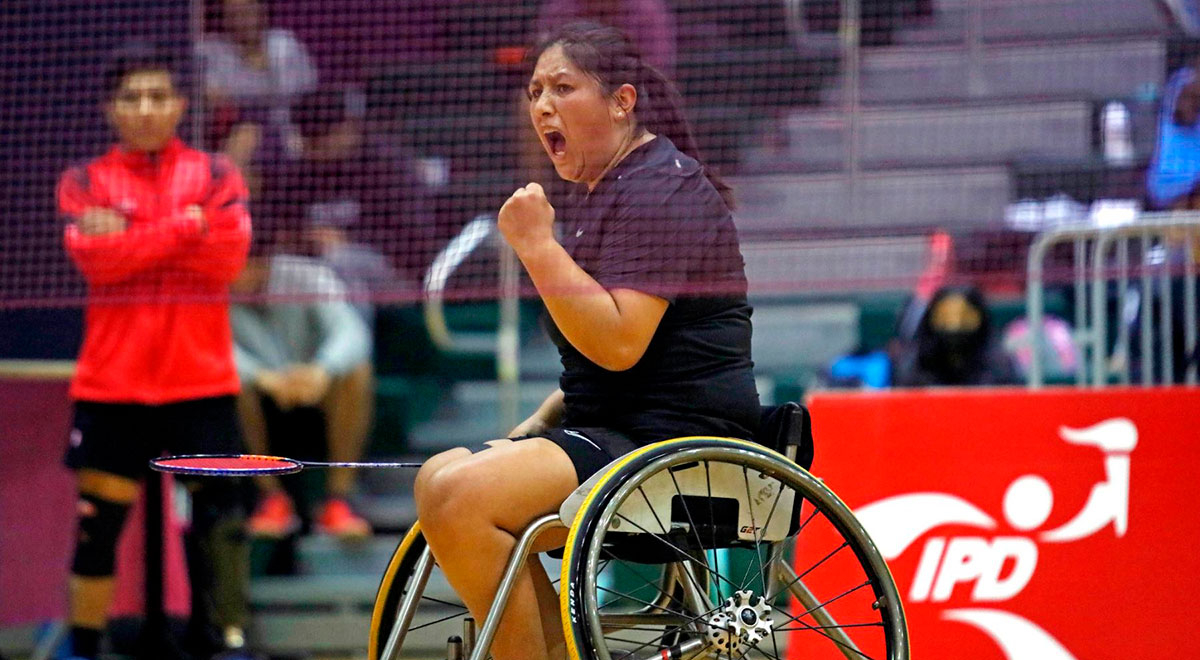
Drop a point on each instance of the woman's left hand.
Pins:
(527, 219)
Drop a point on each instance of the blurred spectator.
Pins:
(1181, 358)
(953, 344)
(1175, 168)
(1186, 14)
(159, 230)
(1058, 352)
(252, 73)
(303, 354)
(355, 200)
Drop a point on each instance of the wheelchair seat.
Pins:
(718, 509)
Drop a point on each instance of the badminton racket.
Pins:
(238, 465)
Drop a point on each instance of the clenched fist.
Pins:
(527, 220)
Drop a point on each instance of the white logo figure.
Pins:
(895, 523)
(1109, 500)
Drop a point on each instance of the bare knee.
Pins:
(457, 497)
(428, 487)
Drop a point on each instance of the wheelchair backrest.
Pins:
(787, 429)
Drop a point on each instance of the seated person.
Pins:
(953, 344)
(252, 73)
(1175, 167)
(646, 302)
(304, 358)
(354, 197)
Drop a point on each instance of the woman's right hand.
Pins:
(526, 220)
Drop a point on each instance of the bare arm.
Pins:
(612, 328)
(548, 414)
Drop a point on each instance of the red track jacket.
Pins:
(157, 320)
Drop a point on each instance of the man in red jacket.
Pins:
(158, 230)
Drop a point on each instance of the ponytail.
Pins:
(608, 55)
(663, 115)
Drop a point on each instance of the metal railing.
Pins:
(505, 341)
(1166, 249)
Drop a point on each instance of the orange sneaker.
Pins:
(274, 517)
(336, 518)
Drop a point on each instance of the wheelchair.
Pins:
(691, 548)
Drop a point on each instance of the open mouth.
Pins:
(556, 142)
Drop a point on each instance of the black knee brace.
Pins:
(96, 546)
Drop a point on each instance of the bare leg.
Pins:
(547, 595)
(472, 507)
(548, 609)
(348, 408)
(254, 430)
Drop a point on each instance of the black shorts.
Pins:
(589, 449)
(121, 438)
(299, 432)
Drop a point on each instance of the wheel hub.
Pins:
(739, 625)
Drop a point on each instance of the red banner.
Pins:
(1056, 525)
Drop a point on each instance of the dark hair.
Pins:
(136, 57)
(607, 54)
(317, 112)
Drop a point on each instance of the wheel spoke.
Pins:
(692, 523)
(615, 619)
(665, 532)
(436, 621)
(681, 552)
(753, 525)
(639, 600)
(835, 640)
(812, 568)
(647, 583)
(713, 528)
(805, 626)
(820, 606)
(668, 632)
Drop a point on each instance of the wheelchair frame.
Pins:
(588, 507)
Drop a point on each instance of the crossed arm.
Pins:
(209, 239)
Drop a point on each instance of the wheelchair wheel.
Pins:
(439, 613)
(763, 561)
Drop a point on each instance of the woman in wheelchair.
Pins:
(646, 300)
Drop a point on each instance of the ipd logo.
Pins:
(1000, 566)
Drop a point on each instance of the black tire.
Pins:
(443, 613)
